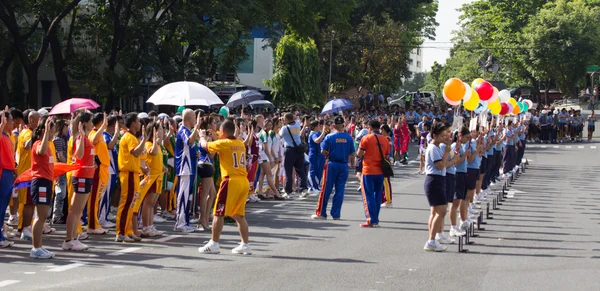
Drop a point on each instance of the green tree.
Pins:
(416, 82)
(434, 80)
(561, 42)
(297, 72)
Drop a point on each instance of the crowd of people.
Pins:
(96, 171)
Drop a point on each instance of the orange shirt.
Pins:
(372, 158)
(42, 166)
(7, 153)
(87, 162)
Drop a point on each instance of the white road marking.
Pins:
(118, 267)
(29, 273)
(65, 267)
(123, 251)
(8, 282)
(569, 147)
(580, 147)
(544, 147)
(281, 204)
(260, 211)
(167, 238)
(555, 147)
(593, 147)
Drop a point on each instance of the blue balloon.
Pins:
(483, 105)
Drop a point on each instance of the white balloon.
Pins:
(468, 92)
(504, 95)
(529, 103)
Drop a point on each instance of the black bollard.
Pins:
(480, 221)
(494, 204)
(473, 233)
(461, 247)
(487, 212)
(499, 199)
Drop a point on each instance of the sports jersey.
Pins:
(7, 153)
(154, 162)
(434, 154)
(101, 149)
(339, 146)
(113, 154)
(23, 154)
(372, 156)
(462, 167)
(476, 163)
(87, 161)
(232, 155)
(42, 166)
(313, 147)
(127, 161)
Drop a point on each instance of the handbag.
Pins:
(302, 148)
(386, 168)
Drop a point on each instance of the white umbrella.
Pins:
(261, 104)
(243, 98)
(185, 94)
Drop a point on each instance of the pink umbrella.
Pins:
(69, 106)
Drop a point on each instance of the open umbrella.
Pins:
(261, 104)
(243, 98)
(70, 105)
(184, 94)
(336, 105)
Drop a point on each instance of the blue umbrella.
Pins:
(244, 98)
(336, 105)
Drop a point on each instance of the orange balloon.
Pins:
(516, 110)
(454, 89)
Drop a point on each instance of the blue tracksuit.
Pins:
(316, 161)
(339, 146)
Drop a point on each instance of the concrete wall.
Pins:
(262, 67)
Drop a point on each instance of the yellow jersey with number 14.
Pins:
(232, 156)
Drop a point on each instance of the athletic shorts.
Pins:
(24, 196)
(591, 128)
(359, 163)
(157, 186)
(450, 187)
(82, 185)
(483, 166)
(472, 177)
(41, 191)
(231, 199)
(205, 171)
(435, 190)
(461, 186)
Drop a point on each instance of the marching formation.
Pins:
(95, 172)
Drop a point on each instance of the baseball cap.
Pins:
(338, 120)
(142, 115)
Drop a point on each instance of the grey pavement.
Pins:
(545, 237)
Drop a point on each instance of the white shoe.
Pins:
(443, 239)
(26, 233)
(13, 220)
(111, 217)
(98, 231)
(457, 232)
(167, 215)
(194, 220)
(149, 232)
(253, 198)
(108, 225)
(473, 211)
(243, 249)
(186, 229)
(160, 233)
(210, 248)
(434, 247)
(386, 205)
(304, 194)
(492, 184)
(83, 236)
(6, 244)
(124, 238)
(158, 219)
(41, 253)
(318, 217)
(78, 246)
(47, 229)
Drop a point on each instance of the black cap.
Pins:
(338, 120)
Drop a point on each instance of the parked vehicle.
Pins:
(427, 98)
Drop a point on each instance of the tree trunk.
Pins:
(4, 98)
(58, 64)
(32, 85)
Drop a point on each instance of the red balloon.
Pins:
(505, 109)
(485, 90)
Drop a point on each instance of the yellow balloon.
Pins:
(495, 107)
(476, 81)
(513, 102)
(473, 102)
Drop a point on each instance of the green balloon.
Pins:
(224, 111)
(180, 109)
(526, 107)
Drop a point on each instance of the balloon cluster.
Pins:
(482, 96)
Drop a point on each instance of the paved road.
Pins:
(543, 238)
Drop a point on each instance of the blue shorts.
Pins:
(483, 165)
(435, 190)
(472, 177)
(450, 187)
(461, 186)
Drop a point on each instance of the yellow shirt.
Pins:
(127, 161)
(23, 155)
(70, 144)
(232, 155)
(52, 149)
(154, 162)
(101, 149)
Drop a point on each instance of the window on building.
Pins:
(247, 66)
(418, 51)
(418, 64)
(411, 62)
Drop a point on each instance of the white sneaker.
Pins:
(434, 247)
(167, 215)
(318, 217)
(83, 236)
(13, 220)
(210, 248)
(41, 253)
(6, 244)
(78, 246)
(26, 233)
(149, 232)
(464, 225)
(473, 211)
(243, 249)
(98, 231)
(304, 194)
(108, 224)
(386, 205)
(158, 219)
(186, 229)
(492, 184)
(123, 238)
(160, 233)
(194, 220)
(443, 239)
(111, 217)
(457, 232)
(47, 229)
(253, 198)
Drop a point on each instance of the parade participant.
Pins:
(266, 159)
(13, 133)
(473, 168)
(60, 190)
(185, 167)
(373, 148)
(315, 157)
(101, 172)
(42, 173)
(450, 182)
(7, 166)
(422, 133)
(278, 149)
(460, 191)
(23, 157)
(435, 186)
(130, 150)
(479, 196)
(154, 180)
(338, 148)
(111, 138)
(509, 153)
(206, 171)
(591, 125)
(294, 153)
(231, 198)
(81, 180)
(386, 193)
